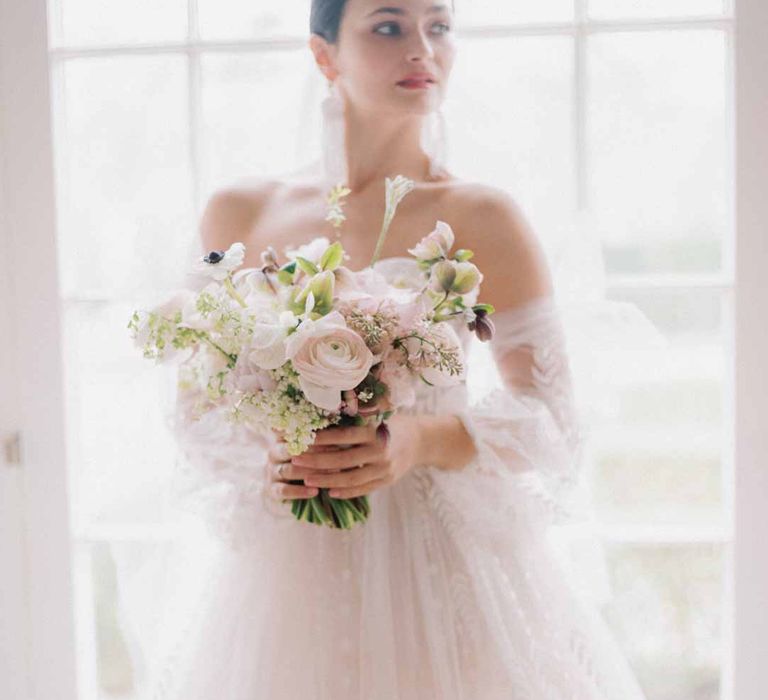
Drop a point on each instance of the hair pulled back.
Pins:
(325, 18)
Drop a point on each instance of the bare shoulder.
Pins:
(231, 212)
(507, 250)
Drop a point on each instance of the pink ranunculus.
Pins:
(329, 358)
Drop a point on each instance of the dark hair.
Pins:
(325, 18)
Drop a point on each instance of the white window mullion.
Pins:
(194, 88)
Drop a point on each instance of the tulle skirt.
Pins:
(450, 591)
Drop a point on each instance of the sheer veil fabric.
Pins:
(455, 589)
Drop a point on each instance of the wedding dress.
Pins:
(450, 590)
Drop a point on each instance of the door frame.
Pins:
(748, 585)
(40, 590)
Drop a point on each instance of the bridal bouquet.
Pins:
(297, 346)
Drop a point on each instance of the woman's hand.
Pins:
(355, 460)
(280, 472)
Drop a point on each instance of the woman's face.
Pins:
(382, 42)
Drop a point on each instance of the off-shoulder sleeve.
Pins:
(220, 468)
(528, 428)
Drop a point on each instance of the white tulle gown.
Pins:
(450, 591)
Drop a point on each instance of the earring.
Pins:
(333, 144)
(434, 141)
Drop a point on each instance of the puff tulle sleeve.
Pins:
(528, 428)
(220, 467)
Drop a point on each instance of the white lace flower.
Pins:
(220, 263)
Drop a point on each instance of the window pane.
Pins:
(493, 12)
(117, 406)
(666, 612)
(653, 8)
(123, 177)
(657, 149)
(228, 19)
(504, 139)
(89, 22)
(252, 114)
(658, 456)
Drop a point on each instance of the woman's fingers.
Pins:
(345, 435)
(279, 491)
(334, 460)
(352, 477)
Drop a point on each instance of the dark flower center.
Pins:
(214, 257)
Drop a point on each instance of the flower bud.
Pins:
(467, 277)
(444, 272)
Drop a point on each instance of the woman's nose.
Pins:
(421, 47)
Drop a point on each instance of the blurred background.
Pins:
(618, 108)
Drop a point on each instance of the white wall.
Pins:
(30, 286)
(13, 627)
(751, 378)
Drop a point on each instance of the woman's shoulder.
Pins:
(491, 223)
(232, 211)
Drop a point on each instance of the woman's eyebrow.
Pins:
(401, 11)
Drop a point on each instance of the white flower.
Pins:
(312, 251)
(329, 357)
(219, 263)
(268, 342)
(436, 244)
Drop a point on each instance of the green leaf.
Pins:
(488, 308)
(463, 254)
(307, 265)
(332, 256)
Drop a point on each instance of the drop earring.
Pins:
(434, 141)
(333, 145)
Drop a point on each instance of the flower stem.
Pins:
(232, 291)
(204, 336)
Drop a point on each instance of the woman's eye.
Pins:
(444, 28)
(388, 25)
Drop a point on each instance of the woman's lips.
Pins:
(415, 84)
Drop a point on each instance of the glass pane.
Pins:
(125, 608)
(118, 407)
(227, 19)
(89, 22)
(654, 8)
(666, 612)
(657, 149)
(493, 12)
(504, 123)
(123, 173)
(253, 113)
(658, 455)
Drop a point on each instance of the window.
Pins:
(616, 107)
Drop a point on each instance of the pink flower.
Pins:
(398, 379)
(247, 376)
(329, 357)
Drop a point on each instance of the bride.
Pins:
(449, 591)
